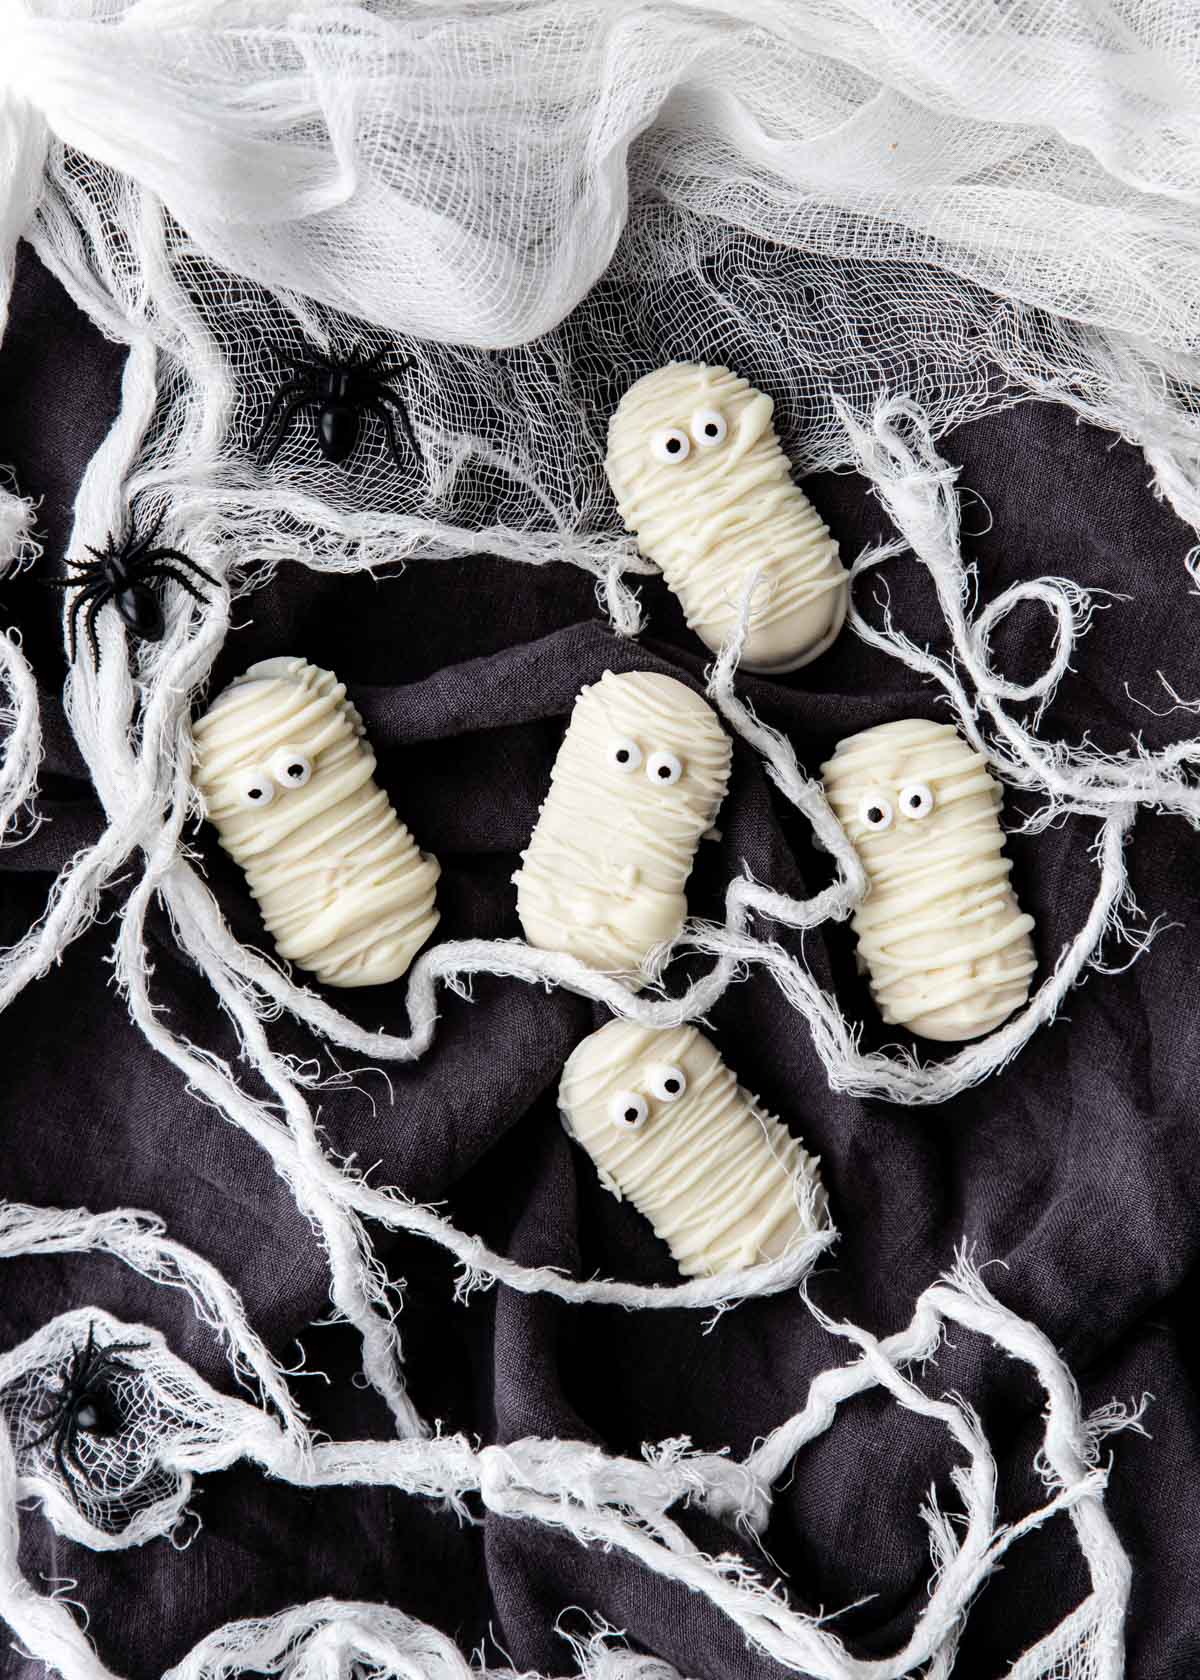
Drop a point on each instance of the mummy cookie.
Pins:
(722, 1182)
(637, 782)
(940, 933)
(701, 481)
(288, 779)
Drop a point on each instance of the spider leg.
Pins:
(123, 1347)
(380, 356)
(97, 590)
(283, 407)
(94, 607)
(61, 1437)
(315, 363)
(136, 549)
(37, 1440)
(383, 395)
(180, 578)
(186, 559)
(375, 407)
(73, 1466)
(121, 1366)
(402, 364)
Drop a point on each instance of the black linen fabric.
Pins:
(1074, 1174)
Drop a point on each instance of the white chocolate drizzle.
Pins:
(718, 510)
(604, 873)
(940, 933)
(723, 1183)
(342, 887)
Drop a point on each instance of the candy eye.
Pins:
(875, 812)
(624, 754)
(709, 428)
(671, 446)
(255, 789)
(916, 800)
(291, 769)
(667, 1083)
(663, 768)
(628, 1109)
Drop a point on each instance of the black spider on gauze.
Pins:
(123, 573)
(343, 392)
(84, 1403)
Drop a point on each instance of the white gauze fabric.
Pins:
(133, 1484)
(850, 202)
(121, 123)
(20, 712)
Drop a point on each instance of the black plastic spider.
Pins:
(342, 393)
(84, 1403)
(122, 574)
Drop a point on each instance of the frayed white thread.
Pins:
(315, 536)
(19, 544)
(1179, 704)
(20, 715)
(21, 722)
(600, 1655)
(41, 1624)
(332, 1639)
(625, 1503)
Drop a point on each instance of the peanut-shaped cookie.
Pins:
(940, 933)
(637, 782)
(287, 777)
(723, 1183)
(701, 481)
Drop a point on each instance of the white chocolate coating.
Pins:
(722, 1182)
(722, 506)
(941, 934)
(341, 885)
(604, 872)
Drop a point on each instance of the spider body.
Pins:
(124, 574)
(84, 1403)
(344, 394)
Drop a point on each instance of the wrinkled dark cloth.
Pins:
(1076, 1168)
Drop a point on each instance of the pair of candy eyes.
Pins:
(258, 787)
(662, 768)
(875, 811)
(630, 1109)
(674, 445)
